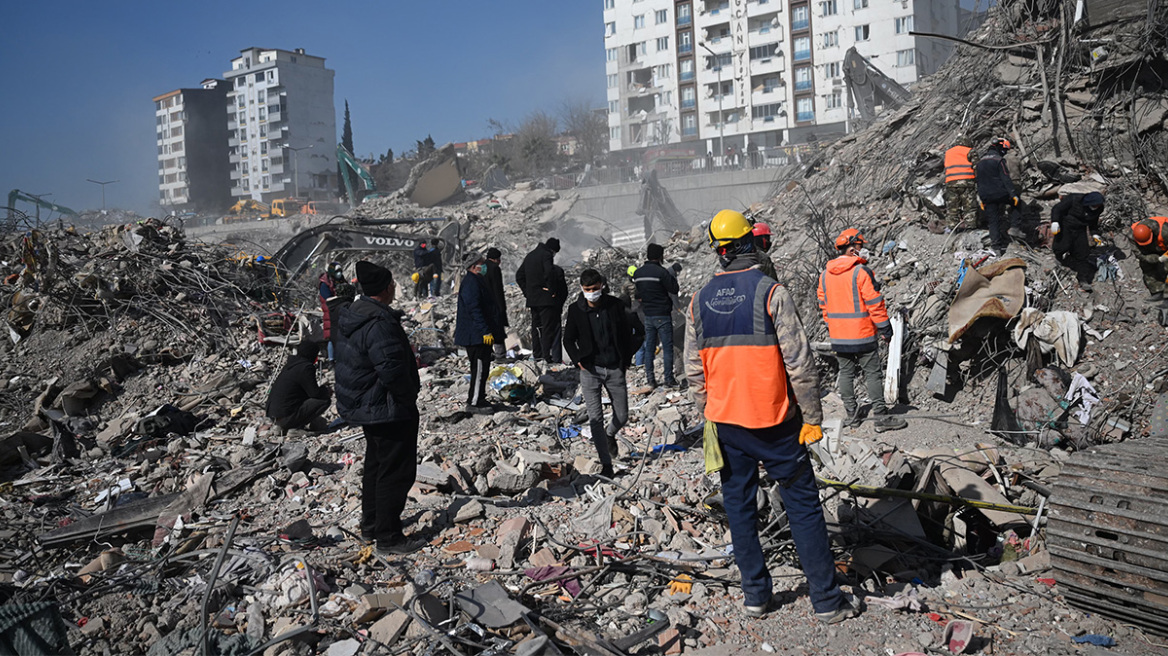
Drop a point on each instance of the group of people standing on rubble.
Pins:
(984, 181)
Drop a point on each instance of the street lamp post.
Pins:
(296, 168)
(721, 117)
(103, 184)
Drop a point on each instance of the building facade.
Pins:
(730, 76)
(193, 166)
(282, 126)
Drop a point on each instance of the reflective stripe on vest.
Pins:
(957, 166)
(746, 380)
(848, 320)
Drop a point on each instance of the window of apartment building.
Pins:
(904, 25)
(610, 4)
(767, 112)
(263, 131)
(263, 148)
(661, 16)
(664, 71)
(804, 109)
(686, 69)
(642, 48)
(833, 100)
(240, 81)
(610, 54)
(771, 83)
(724, 59)
(662, 43)
(612, 80)
(802, 78)
(610, 28)
(860, 4)
(757, 52)
(241, 102)
(800, 18)
(614, 133)
(802, 48)
(862, 32)
(176, 147)
(262, 95)
(831, 70)
(263, 113)
(689, 125)
(689, 97)
(614, 107)
(685, 41)
(272, 74)
(264, 165)
(638, 21)
(906, 57)
(244, 184)
(162, 180)
(830, 39)
(684, 15)
(828, 8)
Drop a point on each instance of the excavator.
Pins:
(18, 195)
(350, 167)
(870, 88)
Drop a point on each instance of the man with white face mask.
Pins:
(601, 338)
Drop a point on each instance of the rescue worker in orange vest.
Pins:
(854, 311)
(960, 188)
(1153, 255)
(752, 375)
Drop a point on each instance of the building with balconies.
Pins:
(282, 126)
(759, 73)
(193, 166)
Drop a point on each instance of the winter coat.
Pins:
(295, 385)
(534, 277)
(327, 290)
(993, 179)
(493, 276)
(427, 256)
(377, 374)
(656, 287)
(559, 286)
(1070, 214)
(578, 339)
(477, 314)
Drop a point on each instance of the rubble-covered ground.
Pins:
(149, 506)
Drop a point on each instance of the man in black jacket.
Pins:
(377, 388)
(493, 276)
(656, 287)
(998, 195)
(601, 338)
(295, 400)
(535, 279)
(475, 327)
(1077, 216)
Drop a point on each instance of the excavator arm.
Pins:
(349, 167)
(869, 87)
(17, 194)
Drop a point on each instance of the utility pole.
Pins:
(721, 117)
(296, 168)
(103, 184)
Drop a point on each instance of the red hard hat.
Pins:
(1142, 233)
(760, 230)
(849, 237)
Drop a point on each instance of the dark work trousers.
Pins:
(391, 465)
(1072, 249)
(480, 364)
(425, 276)
(1000, 217)
(659, 328)
(787, 462)
(309, 410)
(604, 439)
(869, 364)
(545, 321)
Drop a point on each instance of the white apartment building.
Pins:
(191, 131)
(282, 125)
(728, 75)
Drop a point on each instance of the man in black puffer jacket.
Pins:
(535, 277)
(377, 388)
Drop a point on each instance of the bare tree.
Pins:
(588, 125)
(535, 150)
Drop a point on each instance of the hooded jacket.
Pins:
(377, 374)
(1071, 214)
(477, 315)
(852, 305)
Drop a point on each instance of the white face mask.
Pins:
(592, 296)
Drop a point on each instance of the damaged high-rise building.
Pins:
(191, 126)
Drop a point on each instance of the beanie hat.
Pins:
(494, 253)
(374, 278)
(552, 244)
(1093, 199)
(308, 349)
(472, 258)
(655, 252)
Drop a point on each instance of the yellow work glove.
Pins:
(711, 448)
(982, 205)
(1015, 201)
(810, 434)
(488, 339)
(415, 276)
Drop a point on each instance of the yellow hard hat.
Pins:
(631, 270)
(728, 226)
(415, 276)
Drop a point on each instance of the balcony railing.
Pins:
(689, 132)
(804, 116)
(802, 55)
(684, 20)
(688, 104)
(802, 85)
(684, 48)
(801, 24)
(687, 75)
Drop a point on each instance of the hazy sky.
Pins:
(79, 76)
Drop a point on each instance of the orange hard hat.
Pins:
(849, 237)
(1142, 233)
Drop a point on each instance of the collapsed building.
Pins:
(150, 507)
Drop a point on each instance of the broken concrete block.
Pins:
(432, 474)
(511, 480)
(520, 524)
(586, 465)
(389, 628)
(669, 641)
(373, 606)
(467, 510)
(543, 558)
(347, 647)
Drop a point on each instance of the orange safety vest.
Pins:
(746, 380)
(957, 166)
(852, 305)
(1159, 231)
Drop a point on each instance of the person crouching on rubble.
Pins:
(752, 375)
(601, 338)
(1153, 254)
(477, 326)
(295, 400)
(853, 308)
(377, 388)
(1077, 218)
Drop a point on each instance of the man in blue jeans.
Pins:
(656, 287)
(752, 374)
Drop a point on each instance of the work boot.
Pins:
(400, 546)
(849, 609)
(886, 422)
(853, 418)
